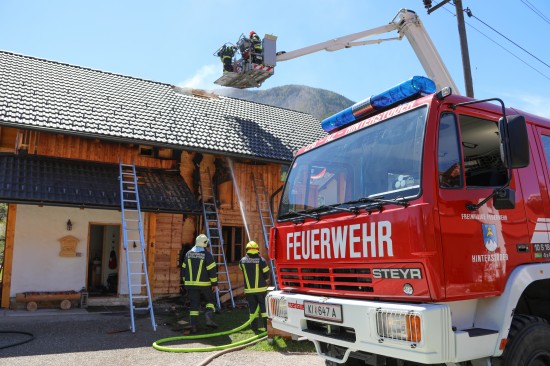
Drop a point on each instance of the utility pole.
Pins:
(463, 41)
(464, 48)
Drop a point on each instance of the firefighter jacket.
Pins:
(256, 273)
(199, 268)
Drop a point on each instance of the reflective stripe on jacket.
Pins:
(199, 269)
(256, 273)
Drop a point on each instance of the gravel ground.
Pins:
(77, 337)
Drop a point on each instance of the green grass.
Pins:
(229, 319)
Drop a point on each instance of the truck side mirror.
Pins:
(517, 143)
(504, 199)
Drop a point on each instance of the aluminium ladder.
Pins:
(266, 218)
(139, 291)
(214, 234)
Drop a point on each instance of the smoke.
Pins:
(204, 77)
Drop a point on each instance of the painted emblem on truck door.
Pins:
(490, 238)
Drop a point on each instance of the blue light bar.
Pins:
(416, 86)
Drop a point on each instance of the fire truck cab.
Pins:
(418, 232)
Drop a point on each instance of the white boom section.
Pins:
(408, 25)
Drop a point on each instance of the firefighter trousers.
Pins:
(254, 300)
(194, 294)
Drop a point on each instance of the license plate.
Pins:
(323, 311)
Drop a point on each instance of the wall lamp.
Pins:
(69, 225)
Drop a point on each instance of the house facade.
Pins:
(65, 129)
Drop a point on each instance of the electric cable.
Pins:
(509, 40)
(501, 46)
(17, 332)
(536, 11)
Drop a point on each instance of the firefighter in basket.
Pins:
(226, 53)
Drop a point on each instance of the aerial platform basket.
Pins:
(249, 76)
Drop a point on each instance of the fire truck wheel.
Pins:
(527, 342)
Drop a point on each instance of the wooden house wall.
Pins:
(166, 233)
(75, 147)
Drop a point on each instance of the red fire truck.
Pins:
(418, 232)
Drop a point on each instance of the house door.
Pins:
(103, 260)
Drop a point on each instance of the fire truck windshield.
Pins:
(382, 160)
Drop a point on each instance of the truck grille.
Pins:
(330, 278)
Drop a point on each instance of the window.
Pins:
(381, 160)
(233, 241)
(546, 144)
(448, 153)
(481, 165)
(481, 148)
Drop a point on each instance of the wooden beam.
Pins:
(151, 245)
(8, 256)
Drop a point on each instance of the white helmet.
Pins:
(201, 241)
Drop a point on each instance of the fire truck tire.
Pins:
(527, 342)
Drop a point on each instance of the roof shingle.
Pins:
(46, 95)
(37, 179)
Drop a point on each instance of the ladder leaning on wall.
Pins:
(266, 218)
(214, 234)
(139, 292)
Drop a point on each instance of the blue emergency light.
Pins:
(416, 86)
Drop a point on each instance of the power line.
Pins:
(502, 35)
(535, 10)
(501, 46)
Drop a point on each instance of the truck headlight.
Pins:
(399, 325)
(277, 307)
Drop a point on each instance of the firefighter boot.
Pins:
(209, 315)
(254, 325)
(262, 321)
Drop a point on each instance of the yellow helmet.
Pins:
(201, 241)
(252, 247)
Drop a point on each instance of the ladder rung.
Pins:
(140, 296)
(147, 308)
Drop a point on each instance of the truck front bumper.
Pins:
(416, 332)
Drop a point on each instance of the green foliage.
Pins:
(3, 212)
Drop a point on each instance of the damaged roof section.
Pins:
(45, 95)
(34, 179)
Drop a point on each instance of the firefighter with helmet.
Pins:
(226, 53)
(256, 273)
(200, 276)
(256, 47)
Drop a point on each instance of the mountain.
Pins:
(319, 103)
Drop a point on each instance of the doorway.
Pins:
(103, 260)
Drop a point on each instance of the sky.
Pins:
(174, 41)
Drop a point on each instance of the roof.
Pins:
(51, 96)
(32, 179)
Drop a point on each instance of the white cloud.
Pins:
(204, 78)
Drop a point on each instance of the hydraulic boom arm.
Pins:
(406, 23)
